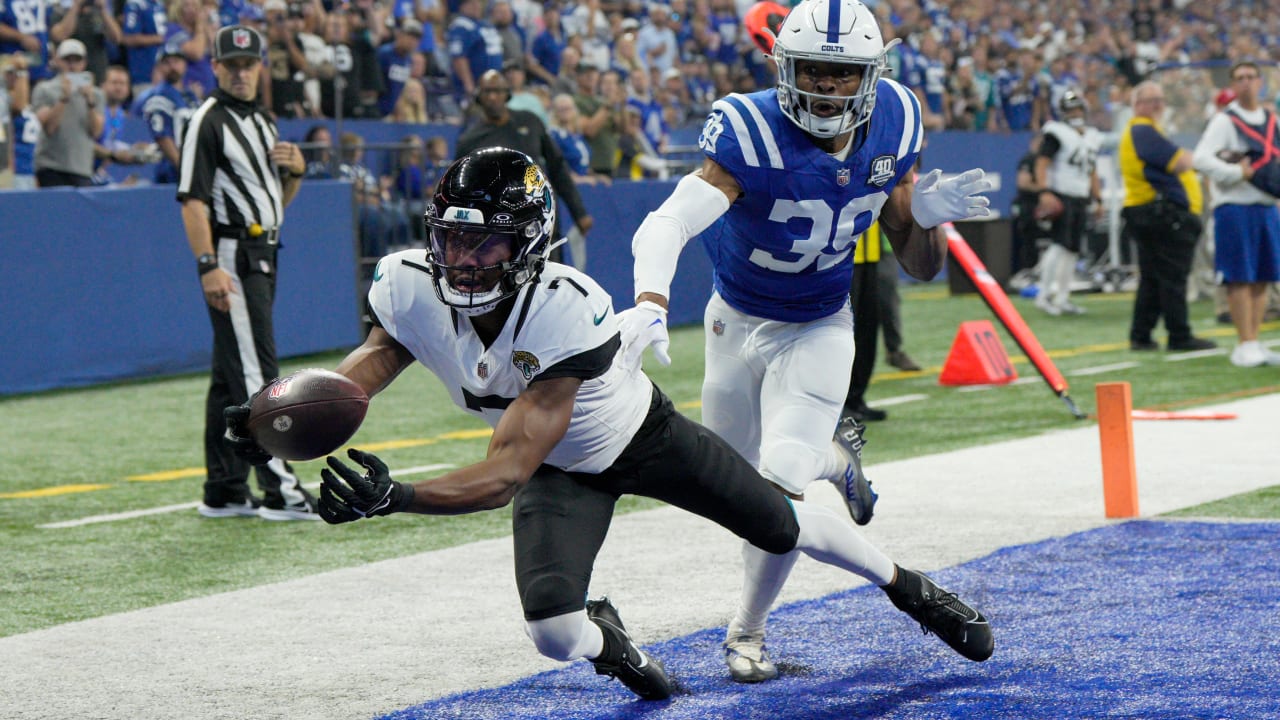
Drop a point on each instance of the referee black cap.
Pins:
(237, 41)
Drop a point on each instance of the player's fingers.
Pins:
(660, 351)
(928, 181)
(332, 509)
(979, 201)
(351, 476)
(369, 461)
(969, 176)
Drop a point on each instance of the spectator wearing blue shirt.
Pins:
(396, 61)
(927, 78)
(110, 148)
(144, 27)
(652, 122)
(724, 25)
(24, 29)
(167, 107)
(190, 29)
(1022, 98)
(428, 13)
(26, 126)
(543, 61)
(564, 129)
(475, 47)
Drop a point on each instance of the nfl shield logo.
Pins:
(482, 369)
(240, 38)
(842, 177)
(279, 389)
(717, 327)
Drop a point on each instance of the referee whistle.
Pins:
(255, 230)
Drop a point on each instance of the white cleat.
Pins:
(748, 659)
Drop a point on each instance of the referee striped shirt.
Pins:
(224, 163)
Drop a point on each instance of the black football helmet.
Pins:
(493, 210)
(1071, 101)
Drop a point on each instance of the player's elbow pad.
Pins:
(692, 207)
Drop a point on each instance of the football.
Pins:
(306, 414)
(1049, 207)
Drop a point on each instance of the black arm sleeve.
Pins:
(585, 365)
(1049, 146)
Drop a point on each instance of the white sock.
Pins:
(1066, 273)
(833, 466)
(566, 637)
(763, 578)
(829, 538)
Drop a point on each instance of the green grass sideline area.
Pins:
(137, 446)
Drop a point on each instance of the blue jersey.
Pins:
(26, 131)
(112, 127)
(199, 72)
(784, 250)
(396, 71)
(28, 17)
(478, 42)
(546, 49)
(143, 17)
(576, 154)
(167, 110)
(1017, 98)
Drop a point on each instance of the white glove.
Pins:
(642, 326)
(934, 202)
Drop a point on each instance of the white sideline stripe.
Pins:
(900, 399)
(1100, 369)
(1024, 380)
(131, 514)
(1179, 357)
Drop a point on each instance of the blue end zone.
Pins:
(1139, 620)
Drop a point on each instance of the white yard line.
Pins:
(1102, 369)
(130, 515)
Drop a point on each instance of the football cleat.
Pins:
(623, 659)
(858, 495)
(942, 613)
(748, 659)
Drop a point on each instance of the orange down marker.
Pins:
(1115, 430)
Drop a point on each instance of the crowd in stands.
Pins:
(610, 78)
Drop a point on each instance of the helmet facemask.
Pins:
(839, 32)
(475, 267)
(489, 226)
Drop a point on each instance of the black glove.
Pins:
(239, 437)
(358, 496)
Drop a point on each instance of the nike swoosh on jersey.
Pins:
(597, 319)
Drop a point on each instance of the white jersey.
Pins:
(1071, 173)
(1227, 185)
(562, 325)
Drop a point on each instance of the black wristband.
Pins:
(406, 498)
(207, 262)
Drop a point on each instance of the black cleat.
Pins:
(942, 613)
(855, 486)
(623, 659)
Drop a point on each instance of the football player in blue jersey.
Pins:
(791, 177)
(167, 107)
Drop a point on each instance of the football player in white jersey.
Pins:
(1067, 168)
(791, 178)
(531, 347)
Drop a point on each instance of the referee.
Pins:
(234, 182)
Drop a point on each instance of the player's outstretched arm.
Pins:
(914, 212)
(530, 428)
(375, 363)
(698, 200)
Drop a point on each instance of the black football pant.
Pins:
(1165, 236)
(560, 518)
(864, 297)
(244, 357)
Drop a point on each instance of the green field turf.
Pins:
(137, 446)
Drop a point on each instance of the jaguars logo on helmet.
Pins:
(487, 198)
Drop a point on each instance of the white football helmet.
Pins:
(829, 31)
